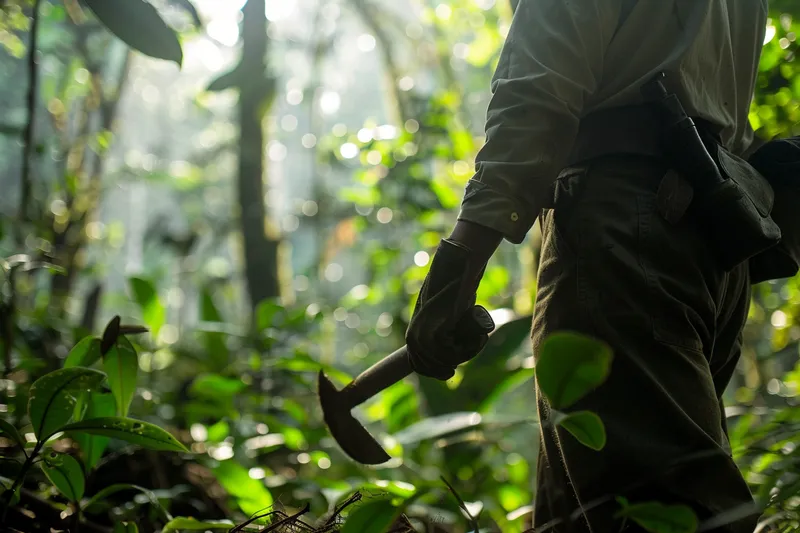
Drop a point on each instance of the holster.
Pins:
(734, 214)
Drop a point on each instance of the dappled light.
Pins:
(212, 210)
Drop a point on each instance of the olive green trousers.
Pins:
(613, 268)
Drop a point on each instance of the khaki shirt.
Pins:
(563, 59)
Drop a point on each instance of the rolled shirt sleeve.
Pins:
(551, 62)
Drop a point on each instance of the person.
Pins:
(565, 146)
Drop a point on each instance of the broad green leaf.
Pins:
(218, 431)
(571, 365)
(506, 339)
(154, 313)
(119, 487)
(214, 341)
(84, 353)
(176, 524)
(99, 405)
(512, 496)
(138, 24)
(295, 410)
(216, 386)
(137, 432)
(122, 366)
(437, 426)
(125, 527)
(10, 432)
(110, 335)
(373, 516)
(301, 362)
(65, 473)
(266, 313)
(293, 438)
(659, 518)
(386, 488)
(584, 426)
(482, 374)
(53, 397)
(251, 494)
(505, 386)
(230, 80)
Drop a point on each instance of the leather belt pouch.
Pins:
(736, 215)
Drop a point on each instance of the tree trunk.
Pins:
(260, 251)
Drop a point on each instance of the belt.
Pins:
(628, 130)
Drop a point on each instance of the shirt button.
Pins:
(514, 217)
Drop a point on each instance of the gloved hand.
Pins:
(447, 328)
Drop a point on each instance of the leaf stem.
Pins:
(9, 494)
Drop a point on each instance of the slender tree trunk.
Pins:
(260, 251)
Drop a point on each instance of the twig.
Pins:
(45, 512)
(472, 521)
(356, 497)
(33, 83)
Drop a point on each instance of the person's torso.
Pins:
(709, 50)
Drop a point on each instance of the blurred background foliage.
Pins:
(265, 198)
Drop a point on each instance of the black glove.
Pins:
(447, 328)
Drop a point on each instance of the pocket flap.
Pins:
(754, 185)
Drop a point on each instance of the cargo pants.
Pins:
(612, 267)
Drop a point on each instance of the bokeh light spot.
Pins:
(384, 215)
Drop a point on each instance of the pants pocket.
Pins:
(679, 273)
(558, 222)
(638, 274)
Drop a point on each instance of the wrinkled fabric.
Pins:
(564, 59)
(613, 268)
(446, 327)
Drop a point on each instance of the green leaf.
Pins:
(302, 362)
(374, 516)
(138, 24)
(230, 80)
(154, 313)
(85, 353)
(437, 426)
(119, 487)
(11, 432)
(53, 397)
(181, 522)
(505, 386)
(251, 494)
(659, 518)
(125, 527)
(584, 426)
(215, 345)
(482, 374)
(14, 497)
(122, 366)
(571, 365)
(137, 432)
(65, 473)
(98, 405)
(110, 335)
(187, 6)
(506, 339)
(218, 431)
(266, 313)
(216, 386)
